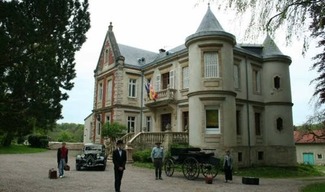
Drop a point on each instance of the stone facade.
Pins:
(228, 96)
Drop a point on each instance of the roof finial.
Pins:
(209, 5)
(110, 27)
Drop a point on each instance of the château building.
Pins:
(225, 95)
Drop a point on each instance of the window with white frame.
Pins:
(109, 90)
(211, 64)
(256, 80)
(132, 87)
(131, 124)
(212, 121)
(186, 79)
(100, 91)
(172, 79)
(157, 85)
(236, 76)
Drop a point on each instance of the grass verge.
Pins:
(315, 187)
(265, 172)
(281, 172)
(20, 149)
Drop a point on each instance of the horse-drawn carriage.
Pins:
(193, 161)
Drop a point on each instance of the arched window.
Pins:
(279, 124)
(277, 82)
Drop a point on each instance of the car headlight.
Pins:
(83, 156)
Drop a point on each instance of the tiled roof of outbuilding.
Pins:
(305, 137)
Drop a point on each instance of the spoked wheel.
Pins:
(209, 169)
(169, 167)
(191, 168)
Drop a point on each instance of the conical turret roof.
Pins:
(210, 28)
(270, 48)
(209, 22)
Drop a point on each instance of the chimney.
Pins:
(162, 50)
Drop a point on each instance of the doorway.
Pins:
(308, 158)
(165, 119)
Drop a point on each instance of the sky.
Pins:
(155, 24)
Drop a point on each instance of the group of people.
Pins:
(119, 161)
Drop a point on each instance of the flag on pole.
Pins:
(147, 87)
(153, 94)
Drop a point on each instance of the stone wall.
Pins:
(71, 146)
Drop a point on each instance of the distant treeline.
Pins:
(68, 132)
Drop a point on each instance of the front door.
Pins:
(308, 158)
(165, 120)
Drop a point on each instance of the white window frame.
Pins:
(131, 121)
(211, 64)
(172, 79)
(100, 91)
(236, 76)
(212, 130)
(109, 90)
(257, 80)
(157, 85)
(132, 88)
(186, 79)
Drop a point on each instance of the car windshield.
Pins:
(93, 148)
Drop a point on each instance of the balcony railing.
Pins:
(163, 96)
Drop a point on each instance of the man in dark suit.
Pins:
(119, 161)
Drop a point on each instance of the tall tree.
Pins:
(37, 50)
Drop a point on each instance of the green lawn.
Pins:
(266, 172)
(315, 187)
(20, 149)
(282, 172)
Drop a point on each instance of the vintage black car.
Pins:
(92, 156)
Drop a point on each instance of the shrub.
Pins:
(142, 156)
(38, 141)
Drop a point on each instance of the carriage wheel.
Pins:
(169, 167)
(209, 169)
(191, 168)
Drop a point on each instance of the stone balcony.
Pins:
(165, 97)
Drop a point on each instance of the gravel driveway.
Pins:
(29, 173)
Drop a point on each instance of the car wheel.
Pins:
(78, 168)
(103, 168)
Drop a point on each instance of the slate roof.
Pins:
(303, 137)
(209, 26)
(209, 23)
(136, 56)
(270, 48)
